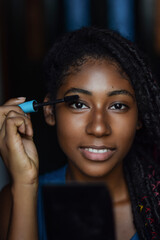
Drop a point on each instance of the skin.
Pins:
(97, 122)
(106, 117)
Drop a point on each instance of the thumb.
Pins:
(15, 101)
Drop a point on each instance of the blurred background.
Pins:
(28, 29)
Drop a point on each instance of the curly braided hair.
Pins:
(73, 50)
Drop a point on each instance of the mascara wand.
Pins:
(33, 105)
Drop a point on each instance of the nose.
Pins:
(98, 124)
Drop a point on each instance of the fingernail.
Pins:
(21, 98)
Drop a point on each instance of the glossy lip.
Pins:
(97, 156)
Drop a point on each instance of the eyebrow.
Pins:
(121, 92)
(78, 90)
(109, 94)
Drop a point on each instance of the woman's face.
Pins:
(97, 131)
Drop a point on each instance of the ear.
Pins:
(139, 125)
(48, 113)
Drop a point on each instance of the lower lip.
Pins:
(97, 156)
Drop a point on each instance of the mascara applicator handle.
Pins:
(28, 107)
(33, 106)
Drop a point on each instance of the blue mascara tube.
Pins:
(28, 107)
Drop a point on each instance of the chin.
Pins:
(96, 172)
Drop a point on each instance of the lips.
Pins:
(97, 153)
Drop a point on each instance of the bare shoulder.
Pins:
(5, 210)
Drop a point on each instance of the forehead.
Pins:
(98, 76)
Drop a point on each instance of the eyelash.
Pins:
(122, 106)
(77, 102)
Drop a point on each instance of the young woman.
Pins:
(108, 135)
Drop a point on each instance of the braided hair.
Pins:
(67, 55)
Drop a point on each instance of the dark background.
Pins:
(28, 29)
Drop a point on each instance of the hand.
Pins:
(11, 104)
(16, 145)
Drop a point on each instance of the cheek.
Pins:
(69, 129)
(125, 128)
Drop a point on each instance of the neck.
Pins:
(114, 181)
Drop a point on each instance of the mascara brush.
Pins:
(33, 105)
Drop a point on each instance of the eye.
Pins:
(119, 106)
(78, 105)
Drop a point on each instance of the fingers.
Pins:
(10, 105)
(16, 123)
(17, 148)
(15, 101)
(15, 129)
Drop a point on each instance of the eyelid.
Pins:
(123, 104)
(78, 101)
